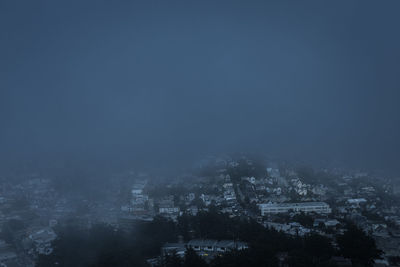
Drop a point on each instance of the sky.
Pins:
(312, 80)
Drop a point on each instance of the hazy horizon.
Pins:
(173, 81)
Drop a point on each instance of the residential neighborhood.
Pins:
(296, 202)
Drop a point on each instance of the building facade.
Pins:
(306, 207)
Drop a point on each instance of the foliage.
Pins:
(172, 260)
(244, 258)
(103, 245)
(394, 260)
(358, 246)
(246, 169)
(304, 219)
(9, 230)
(192, 259)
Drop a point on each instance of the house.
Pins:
(204, 247)
(42, 240)
(178, 248)
(306, 207)
(277, 226)
(216, 246)
(167, 207)
(356, 201)
(326, 222)
(229, 195)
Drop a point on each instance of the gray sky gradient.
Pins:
(162, 79)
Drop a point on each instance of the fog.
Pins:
(169, 81)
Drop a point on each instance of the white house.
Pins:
(306, 207)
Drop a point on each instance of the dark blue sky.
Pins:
(305, 79)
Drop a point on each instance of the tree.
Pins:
(10, 228)
(304, 219)
(192, 259)
(183, 226)
(100, 246)
(394, 260)
(358, 246)
(315, 250)
(104, 245)
(319, 248)
(298, 258)
(172, 260)
(244, 258)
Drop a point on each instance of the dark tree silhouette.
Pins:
(358, 246)
(172, 260)
(192, 259)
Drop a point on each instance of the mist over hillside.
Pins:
(199, 133)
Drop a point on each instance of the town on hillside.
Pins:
(207, 210)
